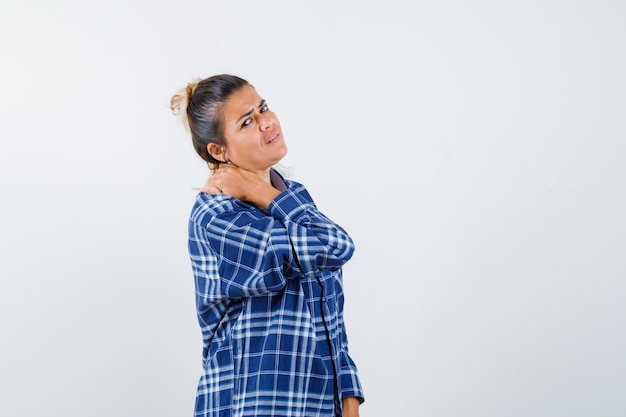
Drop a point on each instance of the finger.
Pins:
(211, 190)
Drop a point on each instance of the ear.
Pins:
(216, 151)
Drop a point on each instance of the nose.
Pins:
(265, 122)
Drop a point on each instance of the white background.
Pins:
(474, 150)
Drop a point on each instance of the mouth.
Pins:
(273, 137)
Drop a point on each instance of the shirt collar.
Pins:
(277, 180)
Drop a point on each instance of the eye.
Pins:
(264, 108)
(246, 122)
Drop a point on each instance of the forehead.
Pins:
(241, 102)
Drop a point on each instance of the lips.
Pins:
(272, 137)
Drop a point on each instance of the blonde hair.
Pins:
(180, 101)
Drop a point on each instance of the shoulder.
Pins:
(290, 189)
(294, 185)
(207, 206)
(298, 192)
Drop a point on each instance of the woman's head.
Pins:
(230, 122)
(199, 106)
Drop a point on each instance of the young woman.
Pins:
(267, 266)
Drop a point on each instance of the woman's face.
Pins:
(254, 140)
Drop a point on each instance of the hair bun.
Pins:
(180, 101)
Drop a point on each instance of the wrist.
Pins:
(350, 407)
(263, 194)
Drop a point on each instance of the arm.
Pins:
(318, 243)
(351, 390)
(350, 407)
(254, 252)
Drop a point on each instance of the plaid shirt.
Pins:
(270, 305)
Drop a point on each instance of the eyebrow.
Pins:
(250, 112)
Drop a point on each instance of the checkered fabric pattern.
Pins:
(269, 299)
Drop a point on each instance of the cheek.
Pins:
(233, 138)
(240, 144)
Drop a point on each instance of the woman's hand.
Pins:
(242, 184)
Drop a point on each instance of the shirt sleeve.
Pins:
(255, 252)
(349, 378)
(317, 242)
(350, 383)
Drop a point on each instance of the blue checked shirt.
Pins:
(270, 305)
